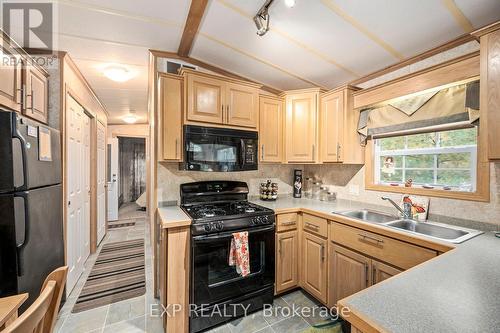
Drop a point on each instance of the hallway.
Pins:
(130, 315)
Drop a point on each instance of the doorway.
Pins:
(127, 179)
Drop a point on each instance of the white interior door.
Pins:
(101, 181)
(78, 198)
(113, 181)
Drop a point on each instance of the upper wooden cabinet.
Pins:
(490, 86)
(205, 99)
(37, 94)
(338, 136)
(23, 86)
(271, 129)
(301, 118)
(242, 103)
(10, 78)
(171, 117)
(218, 100)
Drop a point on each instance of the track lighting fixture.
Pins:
(262, 18)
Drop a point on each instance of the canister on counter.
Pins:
(297, 183)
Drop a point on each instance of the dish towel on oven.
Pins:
(239, 253)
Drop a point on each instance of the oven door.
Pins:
(214, 281)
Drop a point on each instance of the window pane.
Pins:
(394, 143)
(420, 176)
(420, 161)
(397, 160)
(396, 177)
(453, 177)
(425, 140)
(460, 161)
(462, 137)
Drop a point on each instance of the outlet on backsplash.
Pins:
(354, 189)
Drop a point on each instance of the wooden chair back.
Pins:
(41, 316)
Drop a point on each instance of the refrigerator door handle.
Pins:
(24, 156)
(25, 240)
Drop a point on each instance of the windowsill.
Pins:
(459, 195)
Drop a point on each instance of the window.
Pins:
(437, 160)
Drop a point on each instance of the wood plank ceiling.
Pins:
(321, 43)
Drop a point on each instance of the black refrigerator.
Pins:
(31, 227)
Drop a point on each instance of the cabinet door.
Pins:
(205, 99)
(37, 94)
(286, 260)
(300, 127)
(349, 273)
(314, 266)
(10, 78)
(270, 129)
(351, 151)
(242, 105)
(381, 271)
(171, 112)
(332, 125)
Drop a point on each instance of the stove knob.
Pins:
(265, 219)
(207, 227)
(219, 226)
(259, 220)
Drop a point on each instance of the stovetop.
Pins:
(224, 210)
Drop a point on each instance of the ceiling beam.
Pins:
(196, 11)
(215, 69)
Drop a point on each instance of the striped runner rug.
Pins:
(121, 223)
(118, 274)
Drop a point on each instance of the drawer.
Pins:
(315, 225)
(285, 222)
(392, 251)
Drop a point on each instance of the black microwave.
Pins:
(219, 149)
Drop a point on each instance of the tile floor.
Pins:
(132, 315)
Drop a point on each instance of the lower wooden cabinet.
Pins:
(381, 271)
(287, 246)
(314, 266)
(348, 273)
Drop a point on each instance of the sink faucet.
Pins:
(406, 211)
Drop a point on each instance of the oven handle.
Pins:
(229, 234)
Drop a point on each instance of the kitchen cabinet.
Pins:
(286, 260)
(271, 129)
(381, 271)
(301, 118)
(10, 78)
(220, 101)
(314, 266)
(37, 93)
(338, 135)
(171, 117)
(205, 99)
(242, 104)
(348, 271)
(490, 85)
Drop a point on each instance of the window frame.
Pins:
(436, 151)
(482, 172)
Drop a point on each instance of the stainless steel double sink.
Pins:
(435, 230)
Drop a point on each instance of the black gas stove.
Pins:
(218, 210)
(221, 206)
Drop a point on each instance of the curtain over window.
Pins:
(453, 105)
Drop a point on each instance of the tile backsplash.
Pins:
(170, 177)
(343, 178)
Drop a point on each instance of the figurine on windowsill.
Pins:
(409, 182)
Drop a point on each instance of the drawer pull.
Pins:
(368, 237)
(313, 226)
(288, 223)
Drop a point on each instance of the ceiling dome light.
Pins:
(289, 3)
(117, 73)
(130, 119)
